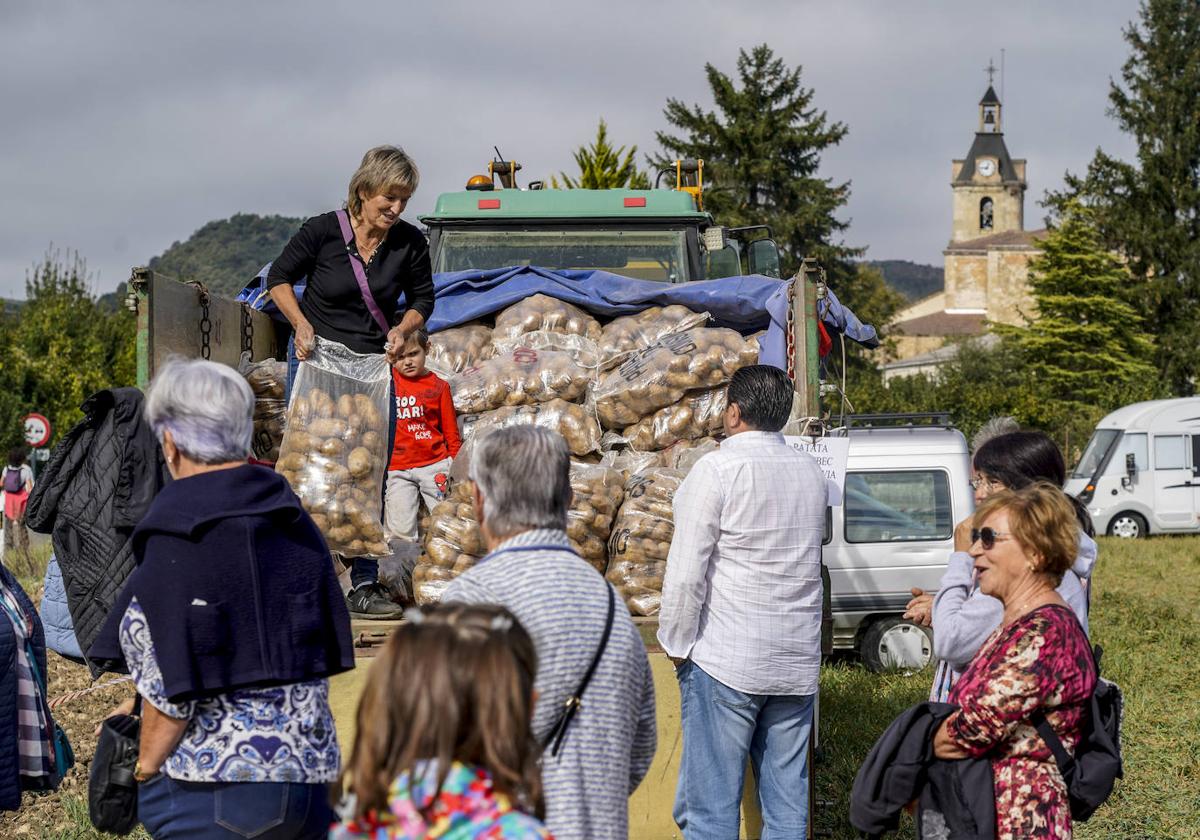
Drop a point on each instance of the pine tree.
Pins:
(1150, 209)
(602, 167)
(1085, 347)
(762, 154)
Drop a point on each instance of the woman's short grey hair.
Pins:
(993, 428)
(382, 168)
(208, 408)
(524, 476)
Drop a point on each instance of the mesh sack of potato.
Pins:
(631, 333)
(543, 313)
(659, 376)
(641, 539)
(521, 377)
(453, 544)
(334, 451)
(458, 348)
(267, 379)
(699, 414)
(574, 422)
(583, 350)
(597, 492)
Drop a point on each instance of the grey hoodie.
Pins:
(963, 617)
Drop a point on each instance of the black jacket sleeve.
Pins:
(299, 255)
(419, 291)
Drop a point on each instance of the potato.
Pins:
(539, 313)
(360, 462)
(659, 376)
(329, 427)
(332, 447)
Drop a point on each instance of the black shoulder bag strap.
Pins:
(575, 701)
(1062, 758)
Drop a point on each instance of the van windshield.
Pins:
(1097, 450)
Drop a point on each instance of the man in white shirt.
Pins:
(741, 616)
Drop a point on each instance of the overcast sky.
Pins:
(127, 125)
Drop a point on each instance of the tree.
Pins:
(1085, 347)
(1150, 209)
(225, 254)
(601, 167)
(762, 153)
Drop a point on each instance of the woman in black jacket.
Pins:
(358, 261)
(230, 625)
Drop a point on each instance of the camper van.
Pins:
(906, 487)
(1140, 473)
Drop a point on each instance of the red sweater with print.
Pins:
(426, 426)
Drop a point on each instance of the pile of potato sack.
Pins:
(638, 400)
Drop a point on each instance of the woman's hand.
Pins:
(944, 746)
(125, 707)
(396, 339)
(920, 608)
(962, 534)
(305, 340)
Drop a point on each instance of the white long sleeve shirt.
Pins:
(742, 590)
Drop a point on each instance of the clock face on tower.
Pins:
(987, 167)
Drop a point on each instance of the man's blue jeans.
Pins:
(723, 727)
(267, 810)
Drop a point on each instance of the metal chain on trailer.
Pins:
(247, 331)
(205, 321)
(791, 334)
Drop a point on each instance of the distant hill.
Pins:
(912, 280)
(225, 254)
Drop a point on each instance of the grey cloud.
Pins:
(127, 126)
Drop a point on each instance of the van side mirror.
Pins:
(764, 258)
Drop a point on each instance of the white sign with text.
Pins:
(831, 454)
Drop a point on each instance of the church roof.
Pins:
(942, 324)
(987, 144)
(990, 98)
(1022, 239)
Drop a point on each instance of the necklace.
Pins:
(367, 254)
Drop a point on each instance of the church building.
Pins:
(986, 260)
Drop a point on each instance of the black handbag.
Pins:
(112, 789)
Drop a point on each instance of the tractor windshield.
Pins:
(647, 255)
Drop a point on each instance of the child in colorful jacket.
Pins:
(425, 763)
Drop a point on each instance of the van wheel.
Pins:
(896, 644)
(1128, 525)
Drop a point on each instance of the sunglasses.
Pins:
(986, 537)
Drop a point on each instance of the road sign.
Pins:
(37, 430)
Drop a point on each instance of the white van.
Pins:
(1140, 473)
(906, 488)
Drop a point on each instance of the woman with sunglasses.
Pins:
(1038, 660)
(962, 616)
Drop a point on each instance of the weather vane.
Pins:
(990, 70)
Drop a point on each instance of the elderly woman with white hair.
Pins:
(230, 625)
(358, 261)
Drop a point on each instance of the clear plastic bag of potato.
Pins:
(683, 456)
(458, 348)
(453, 543)
(543, 313)
(334, 451)
(574, 422)
(521, 377)
(430, 582)
(699, 414)
(660, 375)
(631, 333)
(641, 539)
(597, 492)
(584, 351)
(267, 379)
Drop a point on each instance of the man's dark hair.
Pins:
(764, 395)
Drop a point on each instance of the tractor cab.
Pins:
(658, 234)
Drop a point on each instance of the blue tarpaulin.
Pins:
(746, 304)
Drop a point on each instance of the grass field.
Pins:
(1145, 614)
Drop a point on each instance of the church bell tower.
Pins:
(988, 185)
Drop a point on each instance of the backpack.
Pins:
(12, 480)
(1094, 769)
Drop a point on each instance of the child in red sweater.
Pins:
(426, 439)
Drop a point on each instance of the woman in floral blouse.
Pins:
(1039, 658)
(443, 747)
